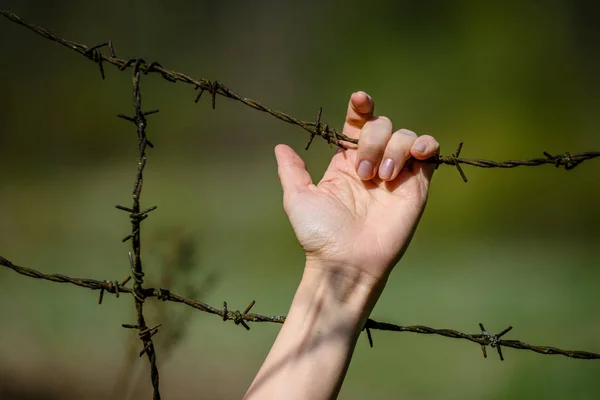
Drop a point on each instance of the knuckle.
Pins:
(428, 139)
(402, 142)
(369, 144)
(375, 135)
(407, 132)
(384, 122)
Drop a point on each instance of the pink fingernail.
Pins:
(420, 147)
(365, 170)
(386, 169)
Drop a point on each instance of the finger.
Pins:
(292, 171)
(360, 110)
(372, 142)
(397, 151)
(423, 148)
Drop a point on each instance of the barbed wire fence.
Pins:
(136, 214)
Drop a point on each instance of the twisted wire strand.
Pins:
(213, 87)
(483, 339)
(330, 134)
(137, 216)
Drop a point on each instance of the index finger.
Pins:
(360, 110)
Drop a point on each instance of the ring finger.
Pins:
(396, 153)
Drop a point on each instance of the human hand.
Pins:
(361, 216)
(354, 226)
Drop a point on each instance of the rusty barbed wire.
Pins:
(566, 160)
(213, 87)
(177, 251)
(483, 339)
(137, 215)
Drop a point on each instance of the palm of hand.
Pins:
(362, 224)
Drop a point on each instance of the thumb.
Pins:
(292, 171)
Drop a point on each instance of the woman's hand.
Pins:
(354, 226)
(362, 214)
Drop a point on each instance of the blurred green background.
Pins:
(511, 247)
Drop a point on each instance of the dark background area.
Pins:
(512, 247)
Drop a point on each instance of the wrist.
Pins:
(312, 352)
(348, 291)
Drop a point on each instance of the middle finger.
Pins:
(372, 142)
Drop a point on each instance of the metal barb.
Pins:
(146, 113)
(127, 118)
(493, 340)
(197, 99)
(213, 88)
(149, 331)
(224, 311)
(112, 287)
(564, 160)
(123, 208)
(279, 319)
(111, 49)
(369, 336)
(136, 216)
(94, 53)
(236, 316)
(317, 128)
(239, 319)
(101, 296)
(453, 159)
(247, 310)
(569, 161)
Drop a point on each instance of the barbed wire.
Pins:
(566, 160)
(137, 215)
(242, 318)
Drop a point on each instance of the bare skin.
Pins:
(354, 227)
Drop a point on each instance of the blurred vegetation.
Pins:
(511, 247)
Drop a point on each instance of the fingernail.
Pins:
(386, 169)
(365, 170)
(369, 99)
(420, 147)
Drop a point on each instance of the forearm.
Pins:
(313, 349)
